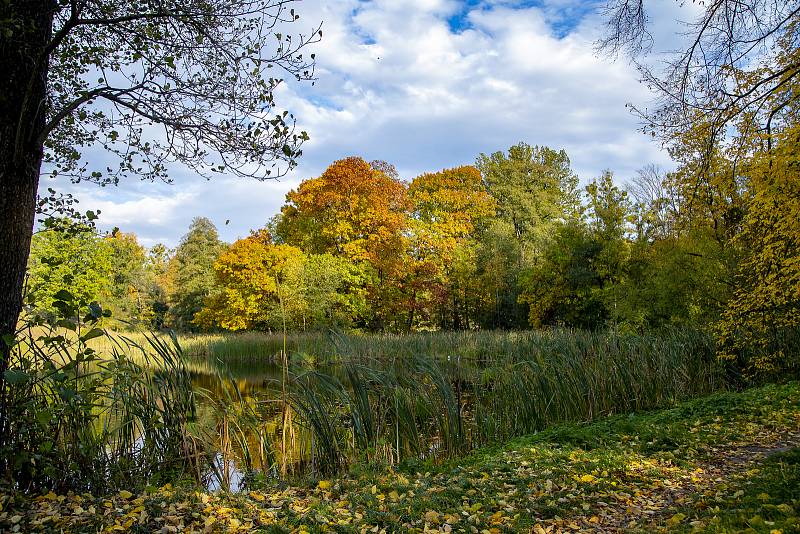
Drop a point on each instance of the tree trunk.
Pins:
(23, 101)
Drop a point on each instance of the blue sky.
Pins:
(425, 85)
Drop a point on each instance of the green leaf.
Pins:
(63, 294)
(67, 394)
(16, 376)
(93, 333)
(66, 323)
(9, 340)
(95, 310)
(44, 417)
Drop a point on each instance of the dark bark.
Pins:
(23, 101)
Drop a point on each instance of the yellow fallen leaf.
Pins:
(588, 478)
(324, 484)
(675, 519)
(125, 494)
(431, 516)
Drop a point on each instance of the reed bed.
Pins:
(392, 398)
(343, 399)
(82, 421)
(387, 398)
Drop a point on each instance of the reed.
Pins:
(443, 394)
(101, 411)
(85, 422)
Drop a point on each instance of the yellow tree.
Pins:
(254, 275)
(761, 321)
(448, 207)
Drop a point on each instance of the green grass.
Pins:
(724, 463)
(463, 346)
(769, 499)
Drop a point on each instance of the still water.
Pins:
(324, 416)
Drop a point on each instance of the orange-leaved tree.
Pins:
(352, 210)
(355, 211)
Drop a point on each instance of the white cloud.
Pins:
(396, 82)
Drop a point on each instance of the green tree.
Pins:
(156, 266)
(676, 280)
(535, 190)
(564, 288)
(499, 262)
(190, 274)
(534, 187)
(130, 280)
(334, 291)
(609, 214)
(77, 261)
(577, 281)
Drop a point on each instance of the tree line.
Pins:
(511, 242)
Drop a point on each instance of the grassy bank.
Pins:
(725, 463)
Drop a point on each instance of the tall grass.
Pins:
(91, 410)
(439, 395)
(85, 422)
(104, 411)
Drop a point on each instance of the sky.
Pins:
(424, 85)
